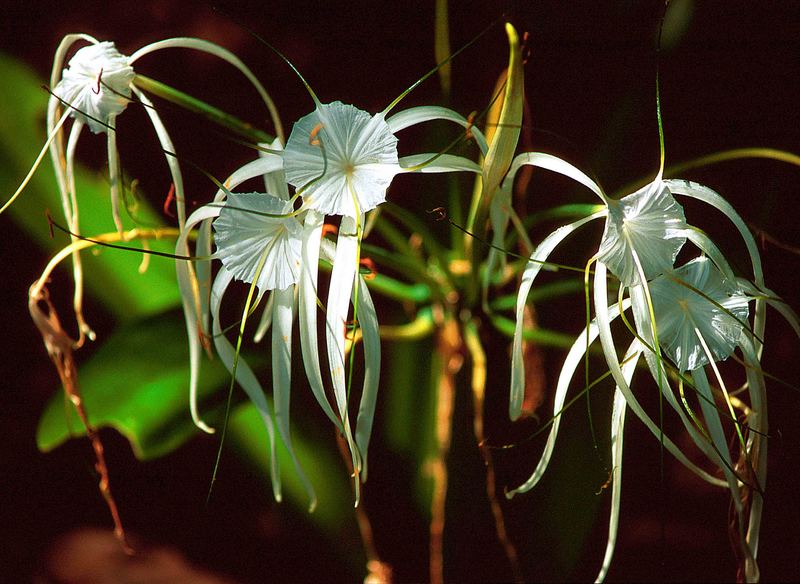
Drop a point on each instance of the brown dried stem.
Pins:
(60, 348)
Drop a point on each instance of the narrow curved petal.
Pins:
(438, 163)
(554, 164)
(244, 375)
(617, 436)
(532, 269)
(312, 235)
(224, 54)
(571, 363)
(368, 321)
(339, 295)
(426, 113)
(282, 318)
(114, 174)
(193, 314)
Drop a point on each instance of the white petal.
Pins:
(97, 83)
(617, 435)
(244, 375)
(532, 269)
(649, 222)
(347, 165)
(282, 378)
(312, 233)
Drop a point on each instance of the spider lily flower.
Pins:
(341, 161)
(258, 242)
(643, 234)
(95, 87)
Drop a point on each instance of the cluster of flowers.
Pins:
(687, 318)
(340, 161)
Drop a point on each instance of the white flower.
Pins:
(648, 227)
(96, 84)
(254, 242)
(696, 305)
(342, 159)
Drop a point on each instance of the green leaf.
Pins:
(137, 383)
(111, 276)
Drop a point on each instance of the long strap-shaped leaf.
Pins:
(757, 445)
(282, 317)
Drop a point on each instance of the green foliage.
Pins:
(136, 383)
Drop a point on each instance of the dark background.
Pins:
(729, 81)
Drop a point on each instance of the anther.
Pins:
(439, 214)
(312, 137)
(99, 77)
(370, 266)
(470, 123)
(169, 200)
(329, 229)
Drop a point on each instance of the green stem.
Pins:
(206, 110)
